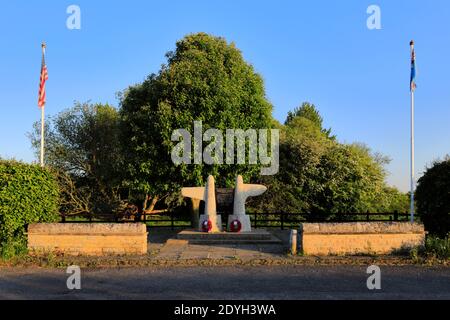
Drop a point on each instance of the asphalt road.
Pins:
(261, 283)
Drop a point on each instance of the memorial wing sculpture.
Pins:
(210, 221)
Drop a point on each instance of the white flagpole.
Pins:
(42, 121)
(412, 206)
(412, 158)
(42, 136)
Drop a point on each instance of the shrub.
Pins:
(28, 194)
(438, 248)
(433, 198)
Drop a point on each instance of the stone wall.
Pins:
(359, 238)
(88, 238)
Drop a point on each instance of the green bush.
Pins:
(437, 247)
(28, 194)
(433, 198)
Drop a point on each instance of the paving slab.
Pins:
(186, 245)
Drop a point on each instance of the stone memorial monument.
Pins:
(238, 221)
(209, 221)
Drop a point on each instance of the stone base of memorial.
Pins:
(359, 237)
(243, 220)
(205, 218)
(88, 238)
(228, 238)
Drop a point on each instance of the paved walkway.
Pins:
(164, 245)
(180, 250)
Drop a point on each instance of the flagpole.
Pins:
(412, 206)
(42, 121)
(412, 158)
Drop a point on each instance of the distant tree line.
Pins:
(325, 178)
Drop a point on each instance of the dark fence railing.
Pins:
(288, 220)
(258, 220)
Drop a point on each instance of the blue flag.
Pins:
(413, 85)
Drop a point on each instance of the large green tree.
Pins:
(205, 79)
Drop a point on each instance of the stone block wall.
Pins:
(88, 238)
(359, 238)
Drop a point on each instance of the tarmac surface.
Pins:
(229, 283)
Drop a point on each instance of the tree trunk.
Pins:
(152, 204)
(144, 205)
(148, 209)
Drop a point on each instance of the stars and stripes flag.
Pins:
(43, 79)
(413, 85)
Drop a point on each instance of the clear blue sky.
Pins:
(317, 51)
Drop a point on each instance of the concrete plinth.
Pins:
(254, 237)
(217, 228)
(243, 219)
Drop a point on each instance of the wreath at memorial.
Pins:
(235, 226)
(207, 226)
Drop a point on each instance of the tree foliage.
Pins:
(306, 111)
(28, 194)
(433, 198)
(310, 112)
(323, 178)
(205, 79)
(83, 148)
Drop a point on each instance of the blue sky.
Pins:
(317, 51)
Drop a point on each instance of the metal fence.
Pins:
(258, 220)
(289, 220)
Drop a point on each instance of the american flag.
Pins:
(43, 79)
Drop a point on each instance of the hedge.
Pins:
(28, 194)
(433, 198)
